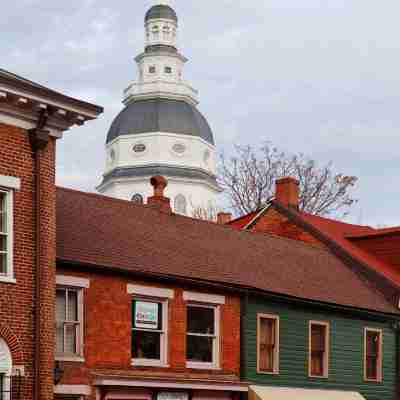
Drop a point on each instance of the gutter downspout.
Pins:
(39, 138)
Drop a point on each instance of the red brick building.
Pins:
(144, 324)
(373, 252)
(32, 118)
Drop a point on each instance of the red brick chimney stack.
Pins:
(288, 192)
(223, 218)
(158, 200)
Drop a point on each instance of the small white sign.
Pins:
(146, 315)
(173, 396)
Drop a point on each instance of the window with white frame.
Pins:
(69, 322)
(318, 362)
(202, 337)
(373, 354)
(6, 233)
(149, 332)
(267, 343)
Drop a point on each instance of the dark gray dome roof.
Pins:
(160, 115)
(161, 11)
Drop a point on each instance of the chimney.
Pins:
(287, 192)
(158, 200)
(223, 218)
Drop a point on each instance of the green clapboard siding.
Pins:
(346, 349)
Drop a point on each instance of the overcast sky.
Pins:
(318, 76)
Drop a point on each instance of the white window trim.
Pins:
(150, 291)
(9, 276)
(203, 297)
(72, 281)
(80, 356)
(163, 361)
(277, 343)
(215, 364)
(80, 390)
(327, 347)
(380, 359)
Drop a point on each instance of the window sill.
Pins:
(7, 279)
(377, 381)
(70, 358)
(200, 365)
(267, 372)
(318, 376)
(148, 363)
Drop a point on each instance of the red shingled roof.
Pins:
(116, 234)
(339, 232)
(243, 221)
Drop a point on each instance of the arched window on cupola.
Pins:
(5, 370)
(156, 32)
(137, 198)
(180, 204)
(166, 32)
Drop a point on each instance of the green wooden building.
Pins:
(300, 344)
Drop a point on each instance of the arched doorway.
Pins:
(5, 370)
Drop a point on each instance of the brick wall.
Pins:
(277, 224)
(108, 323)
(17, 300)
(385, 247)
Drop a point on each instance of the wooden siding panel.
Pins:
(346, 350)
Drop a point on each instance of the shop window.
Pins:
(268, 344)
(318, 363)
(202, 341)
(69, 325)
(373, 355)
(149, 332)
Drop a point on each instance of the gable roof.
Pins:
(94, 230)
(339, 237)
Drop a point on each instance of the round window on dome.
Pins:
(179, 148)
(139, 148)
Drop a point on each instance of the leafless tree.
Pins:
(249, 176)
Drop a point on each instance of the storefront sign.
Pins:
(173, 396)
(146, 315)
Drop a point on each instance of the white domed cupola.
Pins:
(160, 131)
(161, 24)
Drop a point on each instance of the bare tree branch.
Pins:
(249, 176)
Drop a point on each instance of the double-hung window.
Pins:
(149, 332)
(202, 339)
(6, 234)
(268, 344)
(373, 354)
(318, 359)
(69, 326)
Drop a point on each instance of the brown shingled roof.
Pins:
(97, 230)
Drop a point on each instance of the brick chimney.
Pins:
(287, 192)
(223, 218)
(158, 200)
